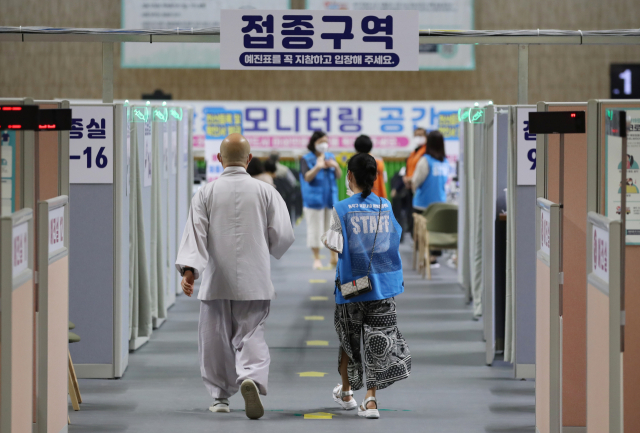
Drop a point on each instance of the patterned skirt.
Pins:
(386, 354)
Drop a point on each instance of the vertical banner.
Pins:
(526, 148)
(319, 40)
(91, 144)
(432, 14)
(8, 159)
(614, 186)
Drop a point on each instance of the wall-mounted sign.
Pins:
(614, 185)
(441, 14)
(91, 144)
(8, 170)
(56, 229)
(545, 231)
(20, 248)
(184, 15)
(319, 40)
(526, 148)
(600, 260)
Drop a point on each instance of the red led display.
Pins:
(14, 126)
(573, 114)
(11, 108)
(47, 126)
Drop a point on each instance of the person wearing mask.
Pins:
(318, 173)
(256, 171)
(235, 223)
(419, 148)
(366, 235)
(430, 178)
(363, 144)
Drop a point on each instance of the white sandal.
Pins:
(220, 405)
(338, 395)
(369, 413)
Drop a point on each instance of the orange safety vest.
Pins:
(413, 159)
(379, 187)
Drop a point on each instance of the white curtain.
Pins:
(139, 296)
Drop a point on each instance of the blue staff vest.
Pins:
(432, 189)
(358, 217)
(322, 191)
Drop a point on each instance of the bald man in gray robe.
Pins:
(234, 224)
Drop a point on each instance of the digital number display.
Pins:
(625, 81)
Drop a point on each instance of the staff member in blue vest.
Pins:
(318, 173)
(430, 177)
(368, 277)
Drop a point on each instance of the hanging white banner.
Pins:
(432, 14)
(319, 40)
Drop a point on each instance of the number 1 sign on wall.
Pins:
(91, 144)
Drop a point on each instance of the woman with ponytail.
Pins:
(366, 235)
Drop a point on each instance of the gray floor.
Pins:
(450, 388)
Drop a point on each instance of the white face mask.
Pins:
(349, 192)
(419, 140)
(322, 147)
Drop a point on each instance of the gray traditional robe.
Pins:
(234, 224)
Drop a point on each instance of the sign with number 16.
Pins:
(91, 144)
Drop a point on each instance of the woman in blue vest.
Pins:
(318, 173)
(368, 277)
(429, 179)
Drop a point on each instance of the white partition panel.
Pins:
(520, 341)
(548, 320)
(184, 183)
(604, 355)
(172, 202)
(16, 336)
(53, 314)
(159, 197)
(140, 223)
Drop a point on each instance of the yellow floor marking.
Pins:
(317, 281)
(312, 374)
(318, 415)
(319, 298)
(317, 343)
(313, 317)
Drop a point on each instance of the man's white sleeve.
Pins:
(193, 251)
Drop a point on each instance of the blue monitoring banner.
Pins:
(333, 40)
(286, 126)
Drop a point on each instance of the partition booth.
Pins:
(17, 330)
(494, 207)
(34, 335)
(99, 262)
(620, 307)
